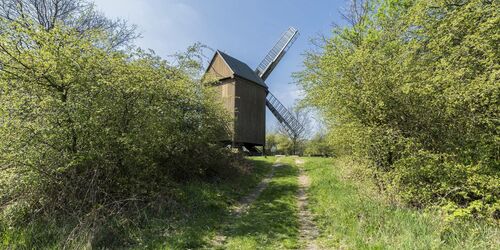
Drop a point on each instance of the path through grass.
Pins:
(208, 208)
(271, 222)
(346, 208)
(308, 230)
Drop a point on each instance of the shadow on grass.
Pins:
(272, 220)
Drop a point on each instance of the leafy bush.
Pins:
(318, 146)
(413, 86)
(86, 130)
(280, 144)
(463, 190)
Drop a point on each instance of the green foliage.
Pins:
(413, 87)
(318, 146)
(464, 190)
(280, 144)
(86, 130)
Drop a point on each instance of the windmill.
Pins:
(245, 95)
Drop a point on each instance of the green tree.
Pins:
(85, 128)
(413, 86)
(318, 146)
(279, 144)
(295, 140)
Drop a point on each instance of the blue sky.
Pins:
(247, 30)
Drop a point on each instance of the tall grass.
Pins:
(352, 214)
(188, 218)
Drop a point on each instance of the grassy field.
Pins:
(347, 208)
(352, 214)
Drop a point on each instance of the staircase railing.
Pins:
(285, 117)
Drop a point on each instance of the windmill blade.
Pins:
(277, 52)
(285, 117)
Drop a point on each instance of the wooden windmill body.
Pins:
(245, 95)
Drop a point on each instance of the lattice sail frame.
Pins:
(292, 126)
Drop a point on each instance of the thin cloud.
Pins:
(166, 26)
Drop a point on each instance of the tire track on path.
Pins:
(244, 204)
(308, 230)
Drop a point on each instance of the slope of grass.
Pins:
(272, 220)
(206, 208)
(198, 228)
(192, 216)
(352, 214)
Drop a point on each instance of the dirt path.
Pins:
(244, 204)
(308, 231)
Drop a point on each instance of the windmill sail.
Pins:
(277, 52)
(285, 117)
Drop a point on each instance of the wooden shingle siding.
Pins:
(226, 90)
(250, 109)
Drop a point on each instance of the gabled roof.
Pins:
(241, 69)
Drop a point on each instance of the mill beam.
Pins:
(276, 53)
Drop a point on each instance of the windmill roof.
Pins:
(241, 69)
